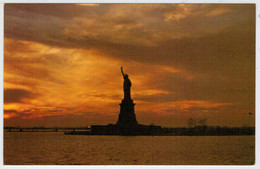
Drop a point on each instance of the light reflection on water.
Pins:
(56, 148)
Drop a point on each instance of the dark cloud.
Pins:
(215, 44)
(38, 112)
(55, 10)
(211, 88)
(228, 50)
(10, 111)
(17, 95)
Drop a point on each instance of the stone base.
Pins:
(127, 119)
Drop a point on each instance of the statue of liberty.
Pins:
(127, 86)
(127, 120)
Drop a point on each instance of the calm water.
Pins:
(57, 148)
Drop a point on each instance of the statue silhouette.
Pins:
(126, 121)
(127, 86)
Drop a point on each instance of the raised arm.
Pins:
(122, 71)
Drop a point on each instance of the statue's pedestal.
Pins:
(127, 117)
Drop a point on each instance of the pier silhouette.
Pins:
(45, 129)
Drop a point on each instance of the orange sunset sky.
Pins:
(62, 63)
